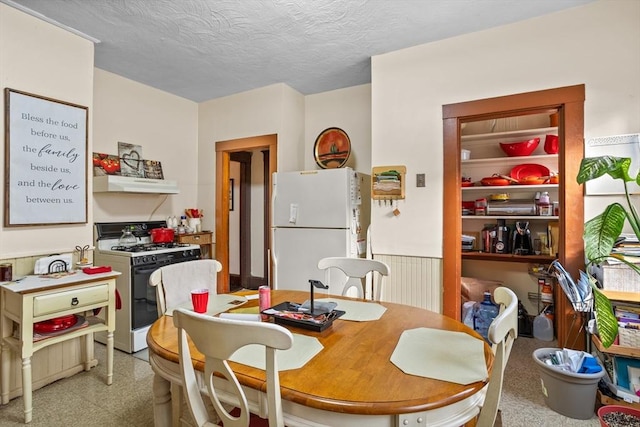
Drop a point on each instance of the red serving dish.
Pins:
(528, 170)
(522, 148)
(57, 324)
(492, 180)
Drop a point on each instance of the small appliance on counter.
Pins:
(511, 207)
(468, 243)
(53, 264)
(521, 244)
(500, 243)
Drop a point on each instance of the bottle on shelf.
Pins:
(546, 293)
(544, 207)
(484, 314)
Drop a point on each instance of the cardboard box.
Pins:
(616, 276)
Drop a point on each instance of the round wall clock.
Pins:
(332, 148)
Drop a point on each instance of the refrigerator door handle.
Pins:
(269, 268)
(274, 261)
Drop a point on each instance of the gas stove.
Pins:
(136, 263)
(149, 247)
(108, 234)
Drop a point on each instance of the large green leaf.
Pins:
(595, 167)
(601, 232)
(605, 318)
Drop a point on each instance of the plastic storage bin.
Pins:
(568, 393)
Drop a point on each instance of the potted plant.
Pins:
(602, 232)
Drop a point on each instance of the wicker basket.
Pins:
(629, 337)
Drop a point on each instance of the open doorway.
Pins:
(240, 154)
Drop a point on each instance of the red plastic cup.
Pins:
(200, 299)
(551, 144)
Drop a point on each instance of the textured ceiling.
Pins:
(205, 49)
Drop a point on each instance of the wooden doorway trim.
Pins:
(569, 103)
(223, 158)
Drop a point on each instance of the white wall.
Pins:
(47, 61)
(275, 109)
(348, 109)
(165, 125)
(597, 44)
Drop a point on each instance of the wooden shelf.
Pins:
(616, 350)
(607, 400)
(621, 295)
(484, 256)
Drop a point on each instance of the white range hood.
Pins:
(128, 184)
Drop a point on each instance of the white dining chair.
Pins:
(174, 288)
(502, 333)
(354, 271)
(174, 282)
(217, 339)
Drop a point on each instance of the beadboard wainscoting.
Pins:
(415, 281)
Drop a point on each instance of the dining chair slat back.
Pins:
(172, 293)
(502, 333)
(355, 271)
(166, 290)
(217, 339)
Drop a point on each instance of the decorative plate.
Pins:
(528, 169)
(332, 148)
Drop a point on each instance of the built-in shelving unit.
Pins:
(633, 298)
(487, 158)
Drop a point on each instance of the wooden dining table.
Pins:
(350, 382)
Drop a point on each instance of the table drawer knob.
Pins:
(74, 301)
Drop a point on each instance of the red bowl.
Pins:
(616, 408)
(522, 148)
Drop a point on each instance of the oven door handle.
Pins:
(146, 270)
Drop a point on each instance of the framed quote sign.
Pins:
(45, 161)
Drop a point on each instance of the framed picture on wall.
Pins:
(45, 160)
(131, 163)
(153, 169)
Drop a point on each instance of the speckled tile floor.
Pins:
(522, 401)
(85, 400)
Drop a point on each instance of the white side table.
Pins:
(35, 299)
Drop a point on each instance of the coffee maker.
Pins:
(500, 244)
(522, 239)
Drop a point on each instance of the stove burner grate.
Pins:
(147, 247)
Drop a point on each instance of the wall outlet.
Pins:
(420, 180)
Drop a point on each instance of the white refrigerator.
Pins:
(316, 214)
